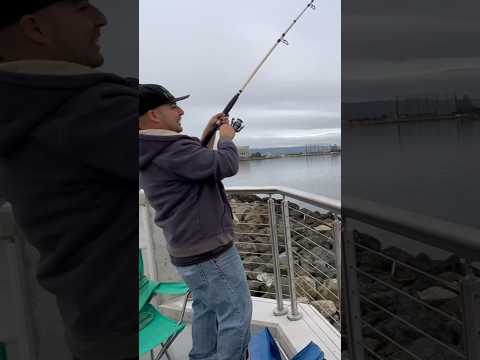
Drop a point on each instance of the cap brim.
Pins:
(181, 98)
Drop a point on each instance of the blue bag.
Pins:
(310, 352)
(262, 346)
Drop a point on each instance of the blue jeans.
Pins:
(222, 307)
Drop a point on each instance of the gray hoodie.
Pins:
(68, 166)
(182, 181)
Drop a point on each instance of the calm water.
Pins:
(315, 174)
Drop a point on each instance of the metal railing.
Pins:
(12, 240)
(401, 305)
(295, 250)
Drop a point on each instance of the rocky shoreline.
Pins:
(399, 288)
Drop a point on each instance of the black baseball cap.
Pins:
(16, 9)
(152, 96)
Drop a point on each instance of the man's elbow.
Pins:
(236, 166)
(233, 170)
(230, 169)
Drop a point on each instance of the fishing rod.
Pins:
(238, 123)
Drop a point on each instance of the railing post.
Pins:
(337, 236)
(352, 295)
(148, 226)
(280, 309)
(26, 331)
(294, 314)
(471, 314)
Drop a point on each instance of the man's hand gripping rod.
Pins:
(237, 125)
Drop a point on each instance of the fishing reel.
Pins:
(237, 124)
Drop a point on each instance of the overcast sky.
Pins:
(209, 48)
(412, 48)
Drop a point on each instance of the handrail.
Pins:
(142, 199)
(457, 238)
(309, 198)
(306, 197)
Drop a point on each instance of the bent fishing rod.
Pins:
(238, 124)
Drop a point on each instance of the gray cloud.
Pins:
(209, 48)
(416, 84)
(411, 48)
(467, 10)
(399, 37)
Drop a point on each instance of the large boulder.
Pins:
(436, 294)
(252, 274)
(255, 217)
(245, 248)
(252, 262)
(367, 241)
(323, 228)
(255, 285)
(305, 286)
(329, 290)
(263, 245)
(325, 307)
(324, 254)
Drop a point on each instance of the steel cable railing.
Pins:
(304, 253)
(403, 305)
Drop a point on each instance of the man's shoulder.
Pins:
(114, 94)
(186, 143)
(165, 135)
(173, 145)
(183, 147)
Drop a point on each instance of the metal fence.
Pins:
(289, 251)
(404, 304)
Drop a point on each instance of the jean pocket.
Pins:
(193, 275)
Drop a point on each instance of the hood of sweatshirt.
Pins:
(34, 92)
(154, 142)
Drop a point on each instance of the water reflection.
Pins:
(316, 174)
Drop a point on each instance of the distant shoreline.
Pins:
(289, 156)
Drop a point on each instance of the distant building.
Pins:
(409, 108)
(317, 149)
(244, 152)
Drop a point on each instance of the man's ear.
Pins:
(154, 116)
(32, 29)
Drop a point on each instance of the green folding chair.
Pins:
(156, 329)
(3, 351)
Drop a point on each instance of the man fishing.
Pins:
(182, 181)
(68, 162)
